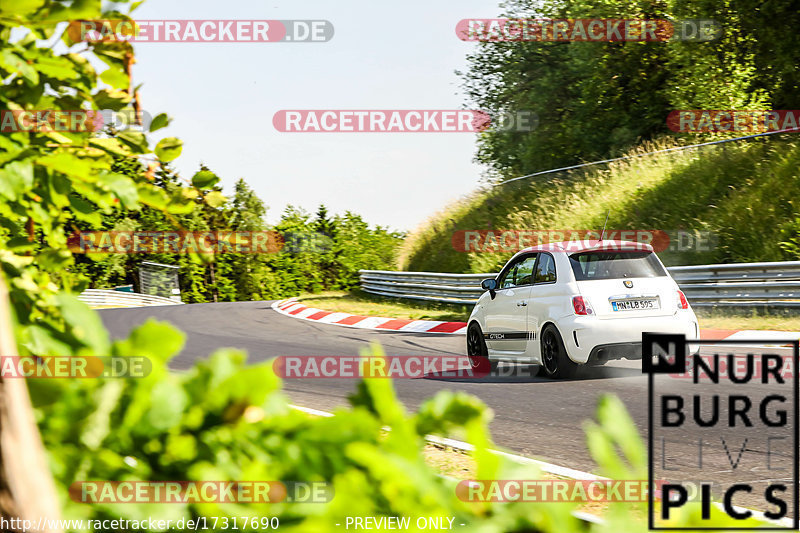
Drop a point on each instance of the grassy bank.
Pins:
(745, 194)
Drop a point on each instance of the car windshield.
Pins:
(615, 265)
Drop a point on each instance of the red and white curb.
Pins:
(291, 307)
(294, 309)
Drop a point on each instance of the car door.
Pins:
(507, 317)
(546, 298)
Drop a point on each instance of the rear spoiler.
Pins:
(611, 246)
(597, 246)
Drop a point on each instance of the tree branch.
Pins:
(27, 490)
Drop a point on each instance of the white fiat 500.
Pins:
(561, 305)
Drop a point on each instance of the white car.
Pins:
(562, 305)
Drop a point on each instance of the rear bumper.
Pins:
(594, 340)
(620, 350)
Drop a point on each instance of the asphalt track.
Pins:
(533, 416)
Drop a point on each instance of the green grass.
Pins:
(728, 319)
(747, 193)
(362, 303)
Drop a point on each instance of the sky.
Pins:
(398, 55)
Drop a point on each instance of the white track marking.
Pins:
(550, 468)
(307, 312)
(467, 447)
(371, 322)
(420, 325)
(333, 317)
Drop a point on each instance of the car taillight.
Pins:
(581, 306)
(683, 303)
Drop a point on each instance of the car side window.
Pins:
(520, 273)
(545, 269)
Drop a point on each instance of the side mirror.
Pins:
(489, 285)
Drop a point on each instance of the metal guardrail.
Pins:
(106, 298)
(775, 284)
(634, 156)
(430, 286)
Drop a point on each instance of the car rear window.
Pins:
(615, 265)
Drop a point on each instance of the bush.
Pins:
(224, 421)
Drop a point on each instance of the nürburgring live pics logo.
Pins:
(723, 430)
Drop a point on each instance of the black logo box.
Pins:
(678, 365)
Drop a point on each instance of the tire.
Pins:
(477, 352)
(556, 363)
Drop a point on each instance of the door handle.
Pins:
(522, 303)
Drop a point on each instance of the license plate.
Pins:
(633, 305)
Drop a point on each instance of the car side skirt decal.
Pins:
(510, 336)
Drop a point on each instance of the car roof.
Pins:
(576, 246)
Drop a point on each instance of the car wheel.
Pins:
(555, 361)
(476, 350)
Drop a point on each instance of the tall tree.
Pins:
(596, 99)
